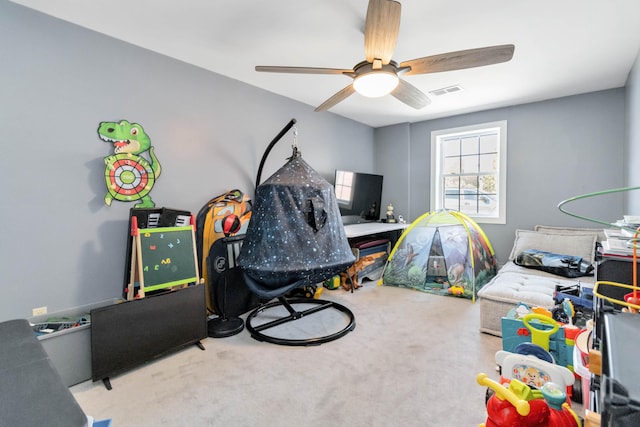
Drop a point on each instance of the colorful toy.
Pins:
(128, 175)
(518, 405)
(541, 330)
(573, 306)
(332, 283)
(541, 310)
(534, 371)
(456, 290)
(540, 336)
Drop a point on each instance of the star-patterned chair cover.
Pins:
(295, 236)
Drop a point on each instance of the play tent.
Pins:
(443, 252)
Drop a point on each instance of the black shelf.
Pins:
(619, 395)
(616, 392)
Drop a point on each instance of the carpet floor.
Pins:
(411, 360)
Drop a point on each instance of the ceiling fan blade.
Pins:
(340, 96)
(302, 70)
(410, 95)
(459, 60)
(381, 30)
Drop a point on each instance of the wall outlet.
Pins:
(39, 311)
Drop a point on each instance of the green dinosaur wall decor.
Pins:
(128, 175)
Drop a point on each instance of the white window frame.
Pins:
(437, 190)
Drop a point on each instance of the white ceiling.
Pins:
(562, 47)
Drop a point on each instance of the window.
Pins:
(469, 169)
(344, 188)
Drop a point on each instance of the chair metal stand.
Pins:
(256, 330)
(222, 327)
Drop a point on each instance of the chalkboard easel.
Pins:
(163, 257)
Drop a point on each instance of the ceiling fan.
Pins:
(378, 74)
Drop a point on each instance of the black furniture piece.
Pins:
(229, 293)
(619, 394)
(615, 394)
(126, 335)
(296, 309)
(32, 392)
(616, 270)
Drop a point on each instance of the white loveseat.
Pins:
(514, 284)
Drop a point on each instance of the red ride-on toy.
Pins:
(521, 406)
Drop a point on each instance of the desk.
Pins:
(372, 231)
(370, 228)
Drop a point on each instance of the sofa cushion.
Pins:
(599, 232)
(515, 284)
(581, 245)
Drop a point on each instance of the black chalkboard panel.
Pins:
(150, 218)
(167, 257)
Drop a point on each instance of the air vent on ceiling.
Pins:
(446, 90)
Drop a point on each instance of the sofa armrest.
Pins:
(32, 392)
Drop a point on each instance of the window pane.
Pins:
(488, 184)
(489, 143)
(451, 193)
(488, 163)
(469, 145)
(469, 182)
(343, 193)
(451, 182)
(347, 178)
(451, 165)
(452, 203)
(451, 147)
(470, 164)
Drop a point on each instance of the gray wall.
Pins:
(61, 246)
(392, 156)
(555, 150)
(632, 148)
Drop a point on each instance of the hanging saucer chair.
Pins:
(295, 239)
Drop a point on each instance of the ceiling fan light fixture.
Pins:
(374, 84)
(377, 75)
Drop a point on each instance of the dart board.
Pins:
(128, 177)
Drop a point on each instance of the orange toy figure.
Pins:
(352, 272)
